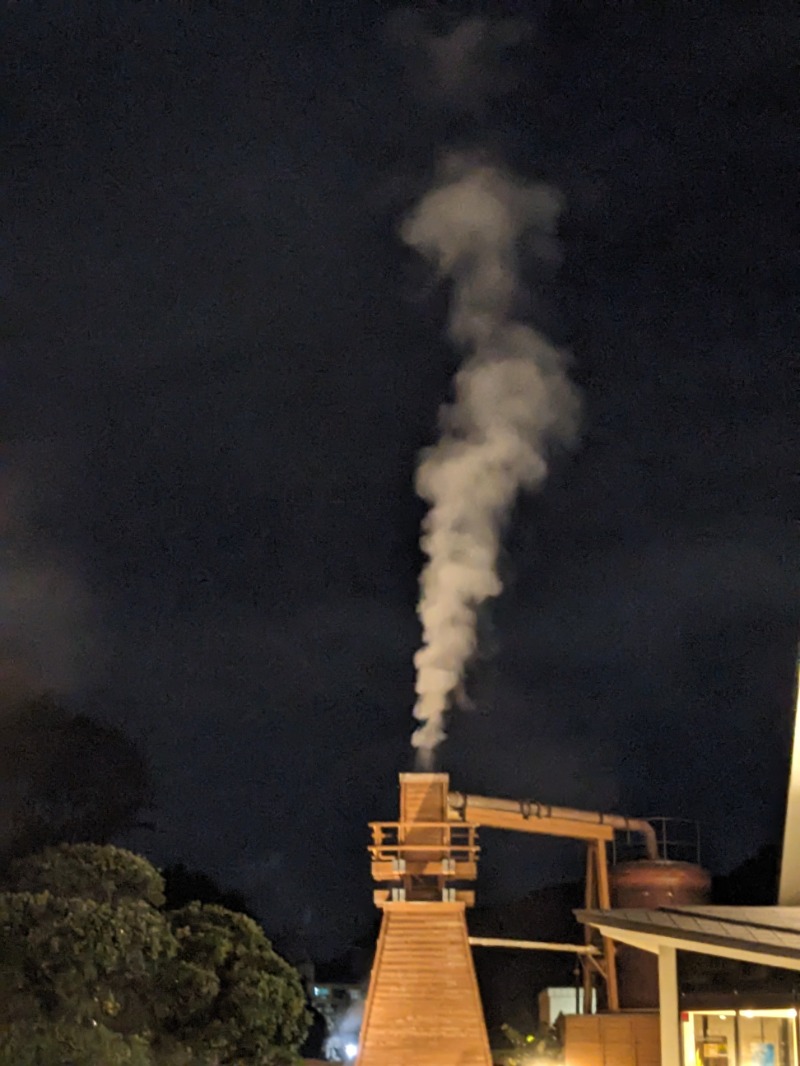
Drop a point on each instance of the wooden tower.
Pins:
(423, 1007)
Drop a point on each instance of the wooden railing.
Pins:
(451, 840)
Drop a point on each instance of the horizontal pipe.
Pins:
(461, 803)
(531, 945)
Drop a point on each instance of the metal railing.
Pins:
(678, 841)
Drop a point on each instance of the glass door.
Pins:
(740, 1038)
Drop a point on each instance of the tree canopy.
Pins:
(90, 964)
(233, 972)
(88, 871)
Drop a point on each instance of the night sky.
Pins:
(220, 364)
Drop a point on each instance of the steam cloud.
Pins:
(463, 65)
(513, 402)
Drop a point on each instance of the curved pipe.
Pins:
(461, 801)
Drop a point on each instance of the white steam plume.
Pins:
(513, 399)
(464, 66)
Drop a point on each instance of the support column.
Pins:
(669, 1006)
(609, 947)
(590, 900)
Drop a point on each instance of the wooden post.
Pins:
(590, 898)
(604, 902)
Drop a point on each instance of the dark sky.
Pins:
(220, 365)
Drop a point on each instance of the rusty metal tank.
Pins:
(649, 884)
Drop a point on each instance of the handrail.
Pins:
(457, 840)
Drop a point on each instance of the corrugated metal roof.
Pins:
(767, 930)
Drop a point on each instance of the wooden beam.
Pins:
(531, 945)
(520, 823)
(385, 871)
(653, 941)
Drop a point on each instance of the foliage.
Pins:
(65, 1044)
(66, 777)
(89, 871)
(87, 957)
(81, 961)
(248, 1002)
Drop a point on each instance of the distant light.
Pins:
(529, 1039)
(723, 1017)
(351, 1050)
(748, 1014)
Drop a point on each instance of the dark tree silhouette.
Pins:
(752, 884)
(66, 777)
(184, 886)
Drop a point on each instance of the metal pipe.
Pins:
(461, 801)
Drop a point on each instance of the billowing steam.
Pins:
(463, 66)
(513, 401)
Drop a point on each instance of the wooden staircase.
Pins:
(423, 1007)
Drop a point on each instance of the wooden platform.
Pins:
(423, 1006)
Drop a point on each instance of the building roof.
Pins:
(769, 935)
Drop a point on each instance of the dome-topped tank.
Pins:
(648, 885)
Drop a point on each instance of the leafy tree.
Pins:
(253, 1002)
(90, 962)
(40, 1044)
(80, 960)
(65, 777)
(88, 871)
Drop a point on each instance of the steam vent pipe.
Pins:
(460, 803)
